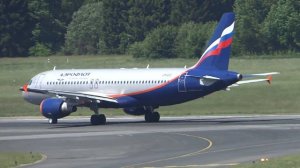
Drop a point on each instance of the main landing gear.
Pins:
(97, 119)
(151, 115)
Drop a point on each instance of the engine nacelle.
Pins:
(56, 108)
(135, 111)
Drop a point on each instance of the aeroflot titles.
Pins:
(75, 74)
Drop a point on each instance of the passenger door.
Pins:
(181, 83)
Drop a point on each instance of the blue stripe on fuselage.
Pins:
(169, 94)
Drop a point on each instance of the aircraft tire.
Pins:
(155, 117)
(98, 119)
(148, 117)
(52, 121)
(152, 117)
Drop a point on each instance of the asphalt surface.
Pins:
(197, 141)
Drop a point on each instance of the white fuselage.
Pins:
(111, 82)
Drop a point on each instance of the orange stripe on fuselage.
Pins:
(147, 90)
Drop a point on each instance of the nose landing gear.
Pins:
(97, 119)
(52, 120)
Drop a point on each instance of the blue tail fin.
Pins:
(216, 55)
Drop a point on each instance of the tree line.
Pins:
(143, 28)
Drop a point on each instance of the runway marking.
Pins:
(189, 166)
(44, 157)
(205, 152)
(210, 143)
(287, 141)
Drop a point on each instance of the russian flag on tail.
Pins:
(216, 55)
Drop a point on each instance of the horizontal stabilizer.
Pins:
(211, 77)
(260, 74)
(267, 79)
(204, 77)
(251, 81)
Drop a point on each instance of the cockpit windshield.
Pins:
(30, 82)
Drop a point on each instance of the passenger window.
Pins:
(91, 84)
(96, 84)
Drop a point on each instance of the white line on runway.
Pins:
(147, 131)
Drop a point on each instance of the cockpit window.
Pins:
(30, 82)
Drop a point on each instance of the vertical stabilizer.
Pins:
(216, 55)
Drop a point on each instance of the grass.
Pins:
(14, 159)
(282, 97)
(281, 162)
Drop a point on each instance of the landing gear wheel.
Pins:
(148, 117)
(98, 119)
(152, 117)
(52, 121)
(155, 117)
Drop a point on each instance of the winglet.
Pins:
(269, 79)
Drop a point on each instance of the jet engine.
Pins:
(135, 111)
(56, 108)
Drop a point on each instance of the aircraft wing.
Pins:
(267, 79)
(73, 95)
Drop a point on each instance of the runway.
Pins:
(194, 141)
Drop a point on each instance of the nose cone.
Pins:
(29, 97)
(34, 98)
(25, 87)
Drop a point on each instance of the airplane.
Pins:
(139, 91)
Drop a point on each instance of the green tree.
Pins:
(115, 17)
(51, 19)
(281, 26)
(159, 43)
(198, 11)
(250, 16)
(192, 38)
(84, 31)
(15, 26)
(68, 7)
(39, 50)
(143, 16)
